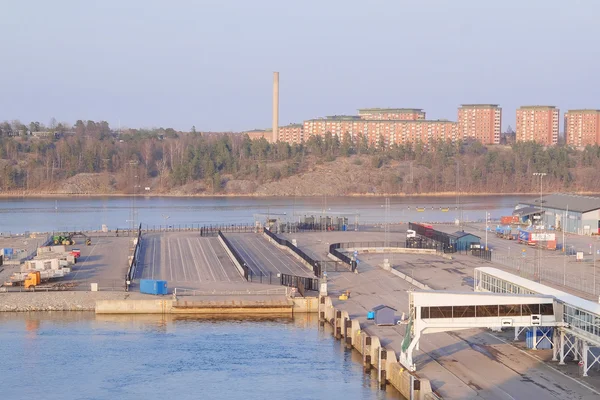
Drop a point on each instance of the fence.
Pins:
(316, 266)
(300, 282)
(528, 268)
(482, 253)
(258, 277)
(211, 230)
(236, 255)
(193, 292)
(136, 252)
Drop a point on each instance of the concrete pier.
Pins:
(375, 355)
(263, 305)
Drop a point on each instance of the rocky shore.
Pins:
(59, 301)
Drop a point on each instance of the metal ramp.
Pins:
(442, 311)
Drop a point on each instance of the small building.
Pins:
(568, 212)
(384, 315)
(462, 240)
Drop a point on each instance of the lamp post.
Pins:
(539, 253)
(487, 214)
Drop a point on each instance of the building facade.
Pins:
(582, 127)
(402, 114)
(537, 124)
(292, 134)
(571, 213)
(383, 132)
(259, 134)
(481, 122)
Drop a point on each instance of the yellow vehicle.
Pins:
(33, 279)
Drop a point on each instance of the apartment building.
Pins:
(401, 114)
(256, 134)
(481, 122)
(537, 124)
(389, 132)
(292, 134)
(582, 127)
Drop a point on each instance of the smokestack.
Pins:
(275, 106)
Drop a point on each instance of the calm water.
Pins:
(34, 214)
(82, 356)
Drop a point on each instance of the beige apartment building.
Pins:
(537, 124)
(401, 114)
(292, 133)
(391, 132)
(582, 127)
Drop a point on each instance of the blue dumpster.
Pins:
(150, 286)
(371, 315)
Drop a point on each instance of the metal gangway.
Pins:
(434, 311)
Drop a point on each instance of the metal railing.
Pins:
(136, 253)
(236, 255)
(526, 268)
(265, 292)
(300, 282)
(316, 266)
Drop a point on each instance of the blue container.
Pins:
(344, 228)
(8, 252)
(543, 344)
(150, 286)
(371, 315)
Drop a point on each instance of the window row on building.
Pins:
(501, 310)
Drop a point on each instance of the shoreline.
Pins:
(42, 195)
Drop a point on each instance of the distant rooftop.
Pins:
(584, 110)
(562, 201)
(389, 110)
(538, 107)
(479, 105)
(376, 121)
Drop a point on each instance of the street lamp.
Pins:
(487, 215)
(541, 175)
(542, 219)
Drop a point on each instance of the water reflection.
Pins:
(81, 355)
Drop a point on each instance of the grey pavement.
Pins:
(185, 259)
(265, 258)
(466, 364)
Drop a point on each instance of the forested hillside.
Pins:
(90, 158)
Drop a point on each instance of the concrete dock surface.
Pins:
(265, 258)
(185, 259)
(468, 364)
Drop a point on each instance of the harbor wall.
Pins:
(385, 362)
(209, 307)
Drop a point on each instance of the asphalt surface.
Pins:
(264, 258)
(468, 364)
(185, 259)
(103, 262)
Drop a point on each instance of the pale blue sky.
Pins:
(209, 63)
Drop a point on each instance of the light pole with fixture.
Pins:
(543, 222)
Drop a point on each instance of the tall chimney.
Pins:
(275, 106)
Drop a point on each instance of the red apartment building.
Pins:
(582, 127)
(482, 122)
(537, 124)
(292, 134)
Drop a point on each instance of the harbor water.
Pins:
(89, 213)
(78, 355)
